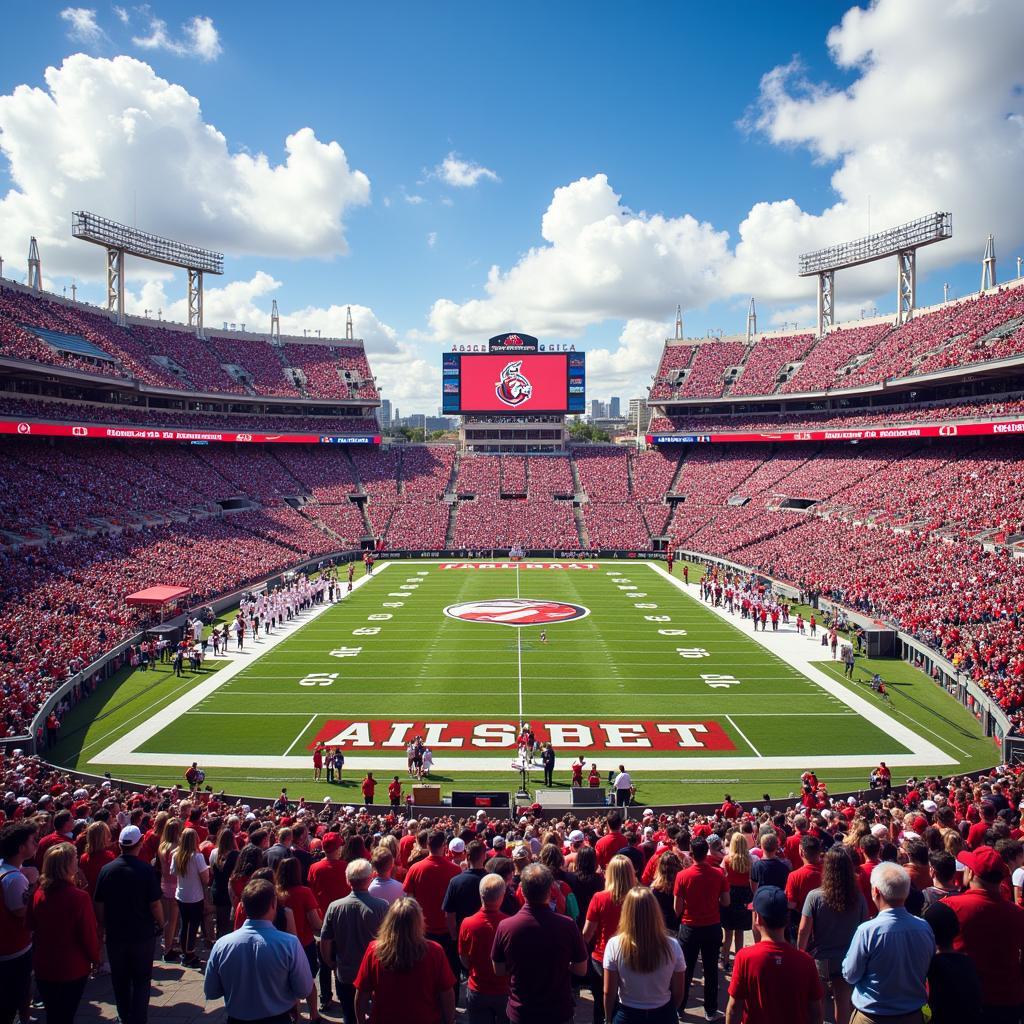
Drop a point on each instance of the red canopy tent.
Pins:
(158, 597)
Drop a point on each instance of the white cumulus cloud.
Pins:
(199, 38)
(459, 173)
(112, 137)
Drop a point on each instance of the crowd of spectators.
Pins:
(852, 909)
(766, 361)
(706, 378)
(332, 371)
(513, 474)
(918, 413)
(56, 410)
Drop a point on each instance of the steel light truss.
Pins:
(936, 227)
(92, 228)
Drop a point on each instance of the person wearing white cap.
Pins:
(129, 910)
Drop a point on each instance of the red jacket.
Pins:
(65, 942)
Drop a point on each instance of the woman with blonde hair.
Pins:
(97, 853)
(191, 876)
(404, 977)
(65, 944)
(602, 923)
(736, 919)
(644, 969)
(168, 884)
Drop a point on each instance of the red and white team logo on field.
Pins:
(516, 611)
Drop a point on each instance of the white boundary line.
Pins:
(291, 746)
(743, 735)
(785, 645)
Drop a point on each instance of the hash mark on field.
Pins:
(743, 735)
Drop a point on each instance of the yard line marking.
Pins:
(519, 651)
(743, 735)
(312, 719)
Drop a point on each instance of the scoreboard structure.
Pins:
(514, 393)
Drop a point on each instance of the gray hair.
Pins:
(358, 871)
(492, 889)
(892, 883)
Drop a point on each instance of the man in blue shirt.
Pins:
(259, 972)
(888, 959)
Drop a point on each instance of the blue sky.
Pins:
(667, 100)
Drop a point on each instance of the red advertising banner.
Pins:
(981, 429)
(387, 736)
(97, 432)
(514, 383)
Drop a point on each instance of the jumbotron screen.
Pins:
(513, 383)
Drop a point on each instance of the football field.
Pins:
(615, 661)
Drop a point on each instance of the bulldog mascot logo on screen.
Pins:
(513, 388)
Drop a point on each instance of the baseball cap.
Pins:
(130, 836)
(332, 842)
(930, 806)
(576, 836)
(771, 905)
(982, 861)
(520, 853)
(879, 830)
(910, 834)
(648, 813)
(457, 845)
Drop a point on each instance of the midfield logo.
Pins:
(516, 611)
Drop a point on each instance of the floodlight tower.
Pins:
(902, 242)
(679, 323)
(349, 333)
(751, 321)
(119, 240)
(988, 265)
(275, 324)
(35, 266)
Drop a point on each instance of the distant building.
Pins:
(638, 409)
(615, 408)
(385, 413)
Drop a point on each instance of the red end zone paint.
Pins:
(388, 736)
(518, 565)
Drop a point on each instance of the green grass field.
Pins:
(646, 661)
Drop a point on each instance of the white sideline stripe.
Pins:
(127, 745)
(125, 750)
(795, 651)
(743, 735)
(291, 746)
(540, 714)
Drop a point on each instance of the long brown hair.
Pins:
(643, 940)
(170, 836)
(839, 886)
(619, 877)
(669, 865)
(401, 941)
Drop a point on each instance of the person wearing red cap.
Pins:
(991, 934)
(328, 882)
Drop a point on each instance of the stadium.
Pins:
(785, 596)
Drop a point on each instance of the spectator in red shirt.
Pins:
(404, 976)
(62, 822)
(299, 899)
(395, 792)
(427, 882)
(368, 786)
(792, 846)
(701, 892)
(613, 841)
(65, 941)
(801, 881)
(772, 981)
(97, 853)
(328, 882)
(602, 922)
(487, 992)
(975, 834)
(991, 934)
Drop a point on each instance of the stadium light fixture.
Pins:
(902, 242)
